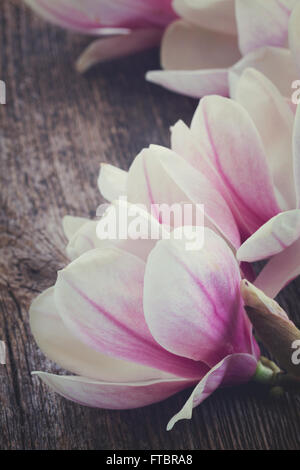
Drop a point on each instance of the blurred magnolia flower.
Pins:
(134, 24)
(140, 322)
(206, 50)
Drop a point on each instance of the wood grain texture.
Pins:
(55, 129)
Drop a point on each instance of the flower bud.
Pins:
(272, 325)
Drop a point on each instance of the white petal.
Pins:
(274, 62)
(99, 298)
(112, 395)
(261, 23)
(83, 240)
(72, 224)
(194, 83)
(273, 237)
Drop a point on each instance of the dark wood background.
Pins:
(55, 129)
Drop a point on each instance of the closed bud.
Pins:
(273, 327)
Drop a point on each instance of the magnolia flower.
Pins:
(240, 158)
(134, 24)
(206, 50)
(141, 321)
(2, 352)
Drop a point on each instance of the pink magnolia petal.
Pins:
(57, 342)
(276, 63)
(262, 23)
(233, 369)
(228, 137)
(261, 98)
(280, 270)
(296, 154)
(72, 224)
(294, 35)
(194, 83)
(204, 317)
(273, 237)
(188, 47)
(188, 145)
(106, 49)
(112, 182)
(185, 144)
(112, 395)
(160, 176)
(216, 15)
(99, 298)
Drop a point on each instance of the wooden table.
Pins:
(56, 128)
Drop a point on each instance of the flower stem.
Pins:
(268, 373)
